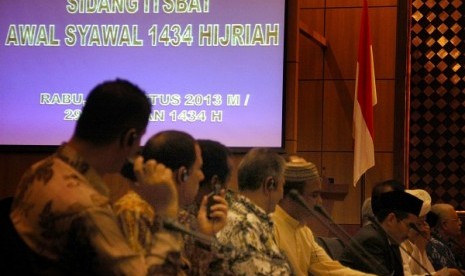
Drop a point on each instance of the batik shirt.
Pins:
(137, 219)
(249, 230)
(206, 257)
(440, 254)
(62, 212)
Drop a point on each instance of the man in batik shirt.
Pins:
(62, 206)
(446, 228)
(249, 229)
(180, 152)
(217, 169)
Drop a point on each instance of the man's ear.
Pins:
(443, 224)
(269, 185)
(391, 218)
(182, 175)
(128, 138)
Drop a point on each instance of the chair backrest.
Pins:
(333, 246)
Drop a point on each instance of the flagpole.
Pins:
(362, 195)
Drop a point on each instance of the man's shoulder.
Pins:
(368, 233)
(241, 222)
(131, 202)
(436, 245)
(54, 181)
(237, 218)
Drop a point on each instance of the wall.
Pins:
(326, 84)
(437, 112)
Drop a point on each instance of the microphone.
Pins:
(320, 209)
(172, 225)
(370, 261)
(456, 243)
(414, 227)
(298, 198)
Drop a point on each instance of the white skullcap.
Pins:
(425, 197)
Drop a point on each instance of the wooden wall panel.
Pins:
(358, 3)
(292, 70)
(312, 3)
(314, 157)
(343, 41)
(384, 114)
(311, 54)
(338, 165)
(291, 112)
(383, 39)
(310, 116)
(342, 29)
(337, 115)
(383, 170)
(345, 3)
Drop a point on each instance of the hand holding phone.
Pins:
(211, 201)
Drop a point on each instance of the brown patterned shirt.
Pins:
(62, 212)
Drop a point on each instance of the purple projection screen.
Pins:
(212, 68)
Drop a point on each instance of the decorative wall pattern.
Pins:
(437, 100)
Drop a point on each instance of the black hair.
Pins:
(380, 188)
(215, 161)
(432, 219)
(112, 108)
(256, 166)
(172, 148)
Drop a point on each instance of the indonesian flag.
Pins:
(364, 100)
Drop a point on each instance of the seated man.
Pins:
(249, 228)
(395, 211)
(378, 189)
(181, 153)
(62, 206)
(446, 228)
(217, 164)
(294, 238)
(416, 261)
(217, 169)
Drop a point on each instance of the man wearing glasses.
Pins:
(447, 227)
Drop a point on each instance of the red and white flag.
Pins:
(364, 100)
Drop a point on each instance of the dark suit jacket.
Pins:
(375, 241)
